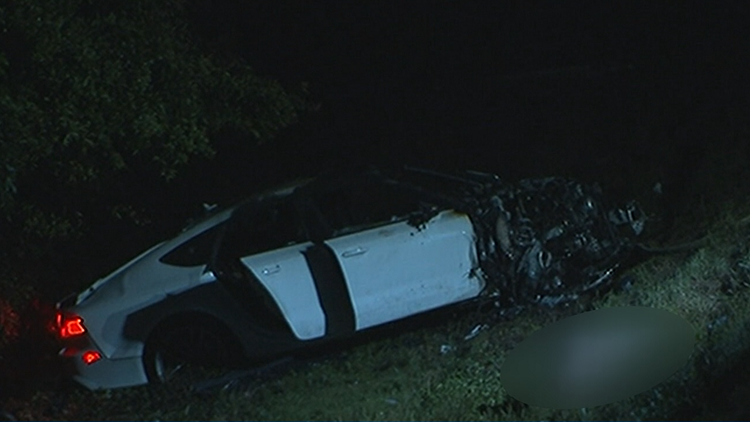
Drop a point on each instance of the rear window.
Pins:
(194, 252)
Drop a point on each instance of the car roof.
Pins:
(403, 175)
(278, 191)
(281, 190)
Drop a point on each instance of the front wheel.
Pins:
(189, 351)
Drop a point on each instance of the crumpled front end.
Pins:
(548, 240)
(544, 240)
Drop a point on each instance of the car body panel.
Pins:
(143, 281)
(286, 276)
(396, 270)
(108, 373)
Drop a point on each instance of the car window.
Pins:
(356, 207)
(259, 227)
(194, 252)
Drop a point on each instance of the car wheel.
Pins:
(189, 350)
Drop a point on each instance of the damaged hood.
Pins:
(549, 239)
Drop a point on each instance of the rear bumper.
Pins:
(104, 373)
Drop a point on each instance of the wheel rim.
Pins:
(165, 367)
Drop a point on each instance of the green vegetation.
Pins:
(100, 99)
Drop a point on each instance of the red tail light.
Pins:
(69, 325)
(90, 357)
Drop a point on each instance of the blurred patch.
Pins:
(598, 357)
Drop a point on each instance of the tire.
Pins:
(188, 350)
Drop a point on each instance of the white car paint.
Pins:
(286, 276)
(110, 373)
(392, 271)
(397, 270)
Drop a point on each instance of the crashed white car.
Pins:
(328, 257)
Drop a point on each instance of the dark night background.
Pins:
(518, 88)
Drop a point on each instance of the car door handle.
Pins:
(208, 276)
(271, 270)
(354, 252)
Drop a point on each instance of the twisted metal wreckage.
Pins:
(540, 241)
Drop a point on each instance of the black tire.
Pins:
(187, 349)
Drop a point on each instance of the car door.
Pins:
(269, 240)
(392, 268)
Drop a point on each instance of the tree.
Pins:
(94, 94)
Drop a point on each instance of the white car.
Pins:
(332, 256)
